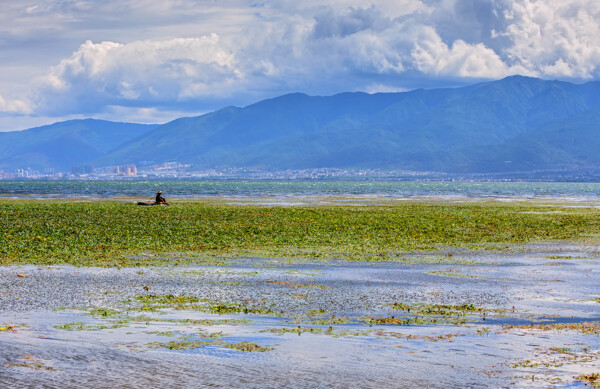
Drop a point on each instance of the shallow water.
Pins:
(553, 286)
(283, 189)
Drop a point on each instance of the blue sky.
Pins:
(152, 61)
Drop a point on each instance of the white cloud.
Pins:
(16, 106)
(433, 56)
(383, 88)
(192, 55)
(145, 71)
(315, 46)
(557, 38)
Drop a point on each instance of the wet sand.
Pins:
(321, 324)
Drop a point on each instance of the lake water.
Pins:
(317, 327)
(202, 188)
(534, 305)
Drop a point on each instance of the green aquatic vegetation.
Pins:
(154, 303)
(403, 307)
(593, 380)
(438, 309)
(105, 312)
(294, 285)
(333, 320)
(186, 322)
(131, 347)
(213, 322)
(429, 314)
(141, 319)
(162, 333)
(588, 328)
(331, 331)
(561, 350)
(13, 327)
(346, 332)
(114, 234)
(417, 320)
(248, 347)
(166, 299)
(433, 338)
(450, 273)
(228, 308)
(295, 330)
(31, 362)
(181, 344)
(526, 363)
(224, 308)
(151, 308)
(80, 326)
(417, 314)
(317, 312)
(556, 357)
(214, 339)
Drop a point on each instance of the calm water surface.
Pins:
(189, 188)
(549, 287)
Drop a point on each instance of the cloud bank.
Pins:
(195, 55)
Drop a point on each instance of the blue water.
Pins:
(189, 188)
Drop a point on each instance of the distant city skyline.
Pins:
(150, 62)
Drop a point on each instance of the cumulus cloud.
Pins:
(145, 71)
(433, 56)
(329, 46)
(555, 38)
(204, 53)
(16, 106)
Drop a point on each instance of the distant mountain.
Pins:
(514, 124)
(518, 124)
(65, 144)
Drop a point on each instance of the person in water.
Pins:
(159, 198)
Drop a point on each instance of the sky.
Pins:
(152, 61)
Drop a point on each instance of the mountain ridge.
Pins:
(62, 145)
(514, 124)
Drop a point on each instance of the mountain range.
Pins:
(511, 125)
(65, 144)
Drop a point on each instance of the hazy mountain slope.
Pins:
(209, 139)
(564, 144)
(514, 123)
(62, 145)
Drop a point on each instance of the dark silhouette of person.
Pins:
(159, 198)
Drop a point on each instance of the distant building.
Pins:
(77, 170)
(27, 173)
(6, 175)
(128, 170)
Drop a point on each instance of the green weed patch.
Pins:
(111, 234)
